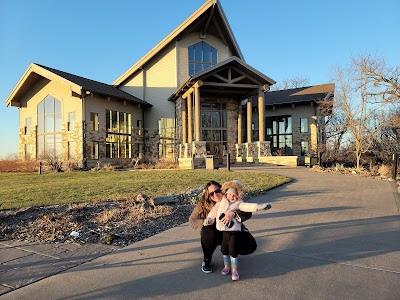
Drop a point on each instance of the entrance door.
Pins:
(214, 128)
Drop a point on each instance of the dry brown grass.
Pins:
(15, 165)
(385, 171)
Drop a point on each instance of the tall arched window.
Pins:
(201, 57)
(49, 127)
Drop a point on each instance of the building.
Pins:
(181, 101)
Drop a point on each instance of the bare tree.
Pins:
(291, 83)
(385, 79)
(354, 99)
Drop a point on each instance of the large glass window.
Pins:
(118, 141)
(214, 125)
(201, 57)
(49, 127)
(279, 132)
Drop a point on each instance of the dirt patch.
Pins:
(118, 223)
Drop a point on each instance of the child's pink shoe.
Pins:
(235, 275)
(225, 271)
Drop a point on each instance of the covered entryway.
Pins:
(209, 110)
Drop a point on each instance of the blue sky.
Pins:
(101, 39)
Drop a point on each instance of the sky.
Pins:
(100, 39)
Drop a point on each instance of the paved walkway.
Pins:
(327, 236)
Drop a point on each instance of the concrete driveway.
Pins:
(327, 236)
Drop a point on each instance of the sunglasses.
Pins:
(217, 191)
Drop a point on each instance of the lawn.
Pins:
(31, 189)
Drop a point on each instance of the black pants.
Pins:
(211, 238)
(229, 244)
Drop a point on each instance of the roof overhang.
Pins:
(232, 78)
(33, 74)
(204, 15)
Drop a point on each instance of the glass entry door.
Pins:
(214, 128)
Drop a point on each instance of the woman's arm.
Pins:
(194, 221)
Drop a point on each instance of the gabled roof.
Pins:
(77, 84)
(305, 94)
(230, 78)
(210, 17)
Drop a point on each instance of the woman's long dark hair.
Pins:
(205, 204)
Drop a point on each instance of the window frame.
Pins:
(197, 60)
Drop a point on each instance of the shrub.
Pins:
(385, 171)
(15, 165)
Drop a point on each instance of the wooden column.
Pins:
(190, 118)
(239, 139)
(249, 131)
(261, 119)
(184, 124)
(197, 125)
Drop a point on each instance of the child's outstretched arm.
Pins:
(252, 207)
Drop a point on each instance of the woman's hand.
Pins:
(229, 215)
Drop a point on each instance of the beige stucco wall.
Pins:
(182, 52)
(29, 102)
(158, 81)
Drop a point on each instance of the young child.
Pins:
(230, 202)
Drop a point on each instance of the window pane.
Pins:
(49, 123)
(71, 120)
(223, 124)
(58, 123)
(224, 135)
(57, 106)
(41, 108)
(198, 52)
(49, 139)
(216, 135)
(40, 124)
(216, 119)
(49, 105)
(199, 67)
(114, 121)
(303, 125)
(191, 53)
(214, 56)
(206, 119)
(206, 135)
(191, 69)
(289, 125)
(206, 52)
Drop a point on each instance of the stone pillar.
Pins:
(261, 119)
(190, 118)
(249, 131)
(184, 125)
(197, 124)
(239, 124)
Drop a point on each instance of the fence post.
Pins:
(228, 161)
(395, 159)
(40, 168)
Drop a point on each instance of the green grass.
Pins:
(31, 189)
